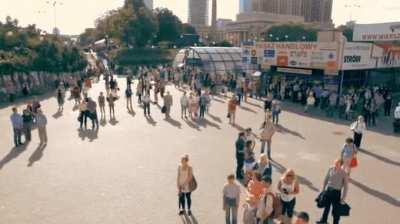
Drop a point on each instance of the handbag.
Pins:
(322, 200)
(343, 209)
(192, 184)
(354, 162)
(164, 109)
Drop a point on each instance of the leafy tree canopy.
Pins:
(291, 32)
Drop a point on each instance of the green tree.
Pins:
(347, 32)
(188, 29)
(169, 25)
(291, 32)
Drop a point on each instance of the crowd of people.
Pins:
(264, 203)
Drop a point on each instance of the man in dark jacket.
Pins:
(240, 145)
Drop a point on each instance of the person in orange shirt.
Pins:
(255, 188)
(232, 104)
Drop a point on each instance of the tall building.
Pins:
(214, 14)
(149, 4)
(317, 11)
(245, 6)
(198, 13)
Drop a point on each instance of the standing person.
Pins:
(203, 105)
(268, 131)
(276, 110)
(240, 146)
(289, 187)
(185, 176)
(102, 104)
(76, 94)
(231, 200)
(396, 122)
(139, 90)
(92, 112)
(27, 119)
(192, 106)
(128, 95)
(335, 187)
(373, 112)
(41, 122)
(146, 104)
(184, 105)
(348, 153)
(310, 102)
(60, 99)
(111, 104)
(17, 123)
(388, 104)
(264, 166)
(168, 102)
(82, 114)
(265, 206)
(232, 105)
(358, 127)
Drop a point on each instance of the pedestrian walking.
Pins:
(335, 189)
(203, 105)
(146, 104)
(348, 153)
(288, 187)
(310, 102)
(232, 105)
(41, 122)
(168, 102)
(184, 105)
(268, 131)
(27, 118)
(388, 104)
(60, 99)
(240, 147)
(358, 127)
(185, 177)
(231, 200)
(17, 124)
(102, 104)
(111, 104)
(128, 95)
(192, 106)
(139, 90)
(92, 112)
(276, 111)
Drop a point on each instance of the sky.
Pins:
(73, 16)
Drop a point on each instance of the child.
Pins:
(231, 199)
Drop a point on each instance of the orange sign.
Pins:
(282, 60)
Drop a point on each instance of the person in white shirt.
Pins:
(358, 127)
(397, 113)
(184, 105)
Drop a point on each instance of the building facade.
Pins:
(198, 13)
(245, 6)
(317, 11)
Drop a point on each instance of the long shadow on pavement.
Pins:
(188, 219)
(192, 124)
(380, 195)
(284, 130)
(215, 118)
(173, 122)
(379, 157)
(248, 109)
(13, 154)
(151, 121)
(87, 133)
(304, 181)
(37, 154)
(204, 123)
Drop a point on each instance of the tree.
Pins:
(291, 32)
(169, 25)
(347, 32)
(188, 29)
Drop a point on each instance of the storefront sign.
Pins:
(357, 56)
(294, 71)
(389, 55)
(299, 55)
(377, 32)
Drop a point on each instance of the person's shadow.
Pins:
(284, 130)
(173, 122)
(186, 219)
(151, 121)
(58, 114)
(14, 153)
(37, 154)
(215, 118)
(379, 157)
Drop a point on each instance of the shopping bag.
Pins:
(354, 162)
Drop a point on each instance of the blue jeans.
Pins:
(231, 211)
(17, 136)
(275, 117)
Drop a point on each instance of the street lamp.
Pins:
(54, 4)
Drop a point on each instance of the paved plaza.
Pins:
(126, 172)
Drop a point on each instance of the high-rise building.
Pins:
(149, 4)
(198, 12)
(245, 6)
(317, 11)
(214, 14)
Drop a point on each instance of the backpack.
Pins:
(277, 205)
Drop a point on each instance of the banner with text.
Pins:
(377, 32)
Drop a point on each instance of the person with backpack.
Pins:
(269, 207)
(231, 200)
(185, 176)
(335, 188)
(288, 187)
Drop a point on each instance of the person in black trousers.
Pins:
(388, 104)
(335, 187)
(240, 145)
